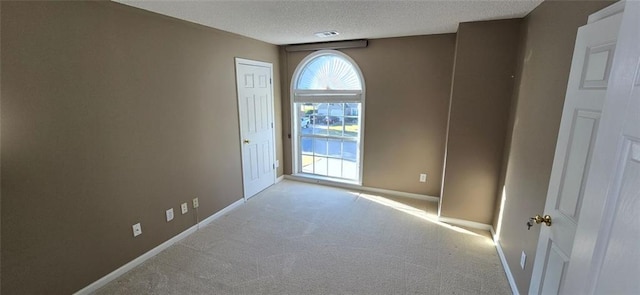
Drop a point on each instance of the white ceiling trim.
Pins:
(293, 22)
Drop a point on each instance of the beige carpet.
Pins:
(298, 238)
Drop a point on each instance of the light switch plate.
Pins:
(523, 260)
(169, 214)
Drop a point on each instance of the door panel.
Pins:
(586, 90)
(250, 118)
(265, 152)
(556, 263)
(597, 66)
(582, 137)
(255, 103)
(261, 111)
(252, 160)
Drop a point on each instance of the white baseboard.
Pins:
(400, 194)
(467, 223)
(279, 179)
(224, 211)
(153, 252)
(505, 265)
(363, 188)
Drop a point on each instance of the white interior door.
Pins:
(606, 253)
(586, 90)
(255, 106)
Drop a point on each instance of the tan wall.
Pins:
(485, 63)
(0, 153)
(407, 94)
(110, 116)
(550, 32)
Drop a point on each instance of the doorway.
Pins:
(257, 134)
(579, 131)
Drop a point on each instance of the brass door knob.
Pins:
(246, 141)
(539, 219)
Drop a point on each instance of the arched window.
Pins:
(327, 92)
(329, 72)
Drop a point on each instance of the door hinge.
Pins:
(274, 166)
(270, 81)
(271, 124)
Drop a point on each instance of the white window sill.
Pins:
(326, 180)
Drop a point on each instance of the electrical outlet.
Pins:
(169, 214)
(277, 163)
(523, 259)
(137, 229)
(184, 208)
(196, 204)
(423, 177)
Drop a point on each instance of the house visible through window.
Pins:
(328, 102)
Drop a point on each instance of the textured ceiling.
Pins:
(292, 22)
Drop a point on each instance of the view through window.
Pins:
(328, 104)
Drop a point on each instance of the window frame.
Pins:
(325, 96)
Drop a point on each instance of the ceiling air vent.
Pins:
(327, 34)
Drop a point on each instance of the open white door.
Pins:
(586, 90)
(255, 107)
(606, 253)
